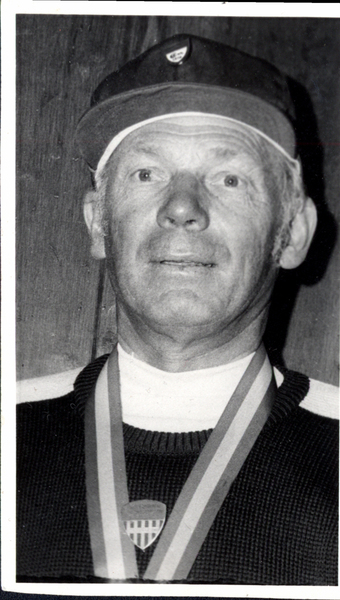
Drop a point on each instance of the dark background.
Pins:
(65, 310)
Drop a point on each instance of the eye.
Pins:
(144, 175)
(231, 181)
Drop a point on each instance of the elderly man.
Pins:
(183, 456)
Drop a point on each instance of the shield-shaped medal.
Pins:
(143, 521)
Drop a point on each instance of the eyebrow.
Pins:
(143, 149)
(219, 151)
(222, 152)
(155, 150)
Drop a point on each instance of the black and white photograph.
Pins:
(177, 300)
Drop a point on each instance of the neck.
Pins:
(179, 351)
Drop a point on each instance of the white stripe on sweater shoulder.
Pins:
(322, 399)
(46, 387)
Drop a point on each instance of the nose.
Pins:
(183, 206)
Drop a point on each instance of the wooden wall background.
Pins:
(63, 314)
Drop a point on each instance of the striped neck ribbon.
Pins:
(203, 493)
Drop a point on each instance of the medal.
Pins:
(116, 525)
(143, 521)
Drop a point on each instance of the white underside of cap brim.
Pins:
(117, 139)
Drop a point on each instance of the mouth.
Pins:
(185, 264)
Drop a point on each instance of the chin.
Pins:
(182, 308)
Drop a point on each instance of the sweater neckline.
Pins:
(143, 441)
(288, 397)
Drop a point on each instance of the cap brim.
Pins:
(102, 122)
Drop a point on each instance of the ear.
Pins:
(93, 220)
(302, 230)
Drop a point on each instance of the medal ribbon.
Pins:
(203, 493)
(106, 488)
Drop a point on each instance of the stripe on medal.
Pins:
(214, 503)
(92, 492)
(113, 553)
(213, 474)
(203, 493)
(118, 468)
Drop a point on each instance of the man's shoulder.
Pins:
(322, 399)
(53, 386)
(47, 419)
(45, 427)
(58, 385)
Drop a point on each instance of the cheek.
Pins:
(247, 225)
(251, 241)
(119, 216)
(129, 232)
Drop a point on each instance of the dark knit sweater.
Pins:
(278, 524)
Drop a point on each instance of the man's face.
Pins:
(191, 226)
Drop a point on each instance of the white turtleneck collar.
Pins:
(176, 402)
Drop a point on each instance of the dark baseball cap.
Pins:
(186, 73)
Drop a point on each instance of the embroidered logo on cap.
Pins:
(179, 55)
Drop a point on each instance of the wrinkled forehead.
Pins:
(213, 130)
(199, 126)
(191, 143)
